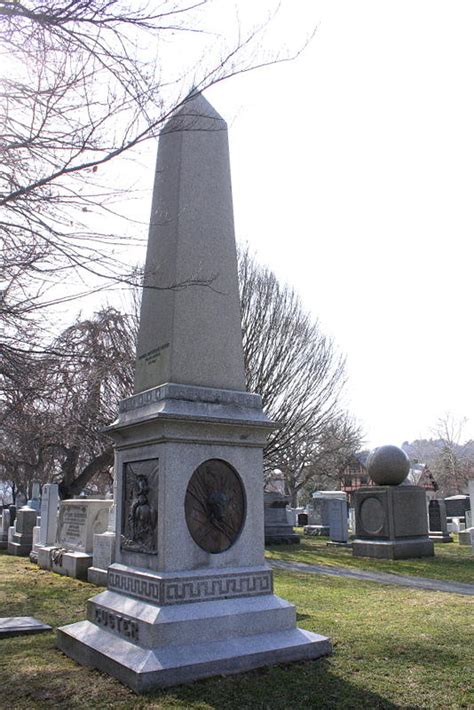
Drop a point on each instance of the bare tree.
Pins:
(52, 421)
(82, 83)
(300, 376)
(449, 455)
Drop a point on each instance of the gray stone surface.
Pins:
(4, 526)
(34, 549)
(464, 537)
(69, 563)
(79, 520)
(144, 669)
(49, 514)
(438, 526)
(338, 522)
(21, 625)
(391, 522)
(103, 557)
(35, 500)
(317, 530)
(21, 540)
(278, 530)
(191, 335)
(176, 610)
(388, 465)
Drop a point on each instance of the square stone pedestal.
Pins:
(391, 523)
(190, 594)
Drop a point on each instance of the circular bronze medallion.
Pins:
(215, 506)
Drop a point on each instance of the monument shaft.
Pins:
(190, 329)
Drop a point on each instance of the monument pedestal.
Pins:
(174, 611)
(391, 523)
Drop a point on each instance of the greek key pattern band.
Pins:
(180, 591)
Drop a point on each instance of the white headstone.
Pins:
(49, 514)
(338, 528)
(79, 520)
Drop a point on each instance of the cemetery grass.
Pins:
(452, 562)
(393, 648)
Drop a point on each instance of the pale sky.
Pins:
(353, 177)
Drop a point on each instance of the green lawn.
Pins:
(393, 648)
(452, 561)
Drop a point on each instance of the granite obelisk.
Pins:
(190, 594)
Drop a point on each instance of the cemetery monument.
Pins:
(78, 521)
(278, 529)
(391, 520)
(190, 594)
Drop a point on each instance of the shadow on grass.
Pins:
(299, 686)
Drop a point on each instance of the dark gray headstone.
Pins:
(20, 625)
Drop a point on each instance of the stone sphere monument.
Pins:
(388, 465)
(391, 519)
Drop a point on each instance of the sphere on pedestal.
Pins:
(388, 465)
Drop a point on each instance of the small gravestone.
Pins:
(34, 547)
(104, 548)
(278, 530)
(466, 535)
(391, 520)
(4, 526)
(49, 514)
(21, 540)
(35, 500)
(319, 512)
(78, 521)
(438, 526)
(21, 625)
(338, 524)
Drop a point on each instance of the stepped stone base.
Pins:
(393, 549)
(20, 545)
(145, 646)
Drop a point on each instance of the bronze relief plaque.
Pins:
(215, 506)
(140, 507)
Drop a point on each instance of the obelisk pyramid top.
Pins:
(190, 330)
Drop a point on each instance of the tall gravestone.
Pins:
(21, 540)
(338, 522)
(465, 535)
(438, 526)
(190, 594)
